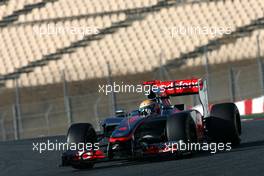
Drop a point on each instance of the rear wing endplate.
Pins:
(203, 97)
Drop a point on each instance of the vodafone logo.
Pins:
(186, 84)
(182, 85)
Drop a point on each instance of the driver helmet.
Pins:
(149, 107)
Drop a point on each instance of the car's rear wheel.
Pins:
(224, 123)
(81, 133)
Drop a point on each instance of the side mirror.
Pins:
(120, 113)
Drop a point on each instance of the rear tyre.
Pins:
(81, 133)
(224, 125)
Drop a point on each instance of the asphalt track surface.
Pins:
(18, 159)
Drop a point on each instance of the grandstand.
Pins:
(134, 37)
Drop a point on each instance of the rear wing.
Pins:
(175, 88)
(164, 89)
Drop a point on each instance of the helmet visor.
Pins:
(147, 110)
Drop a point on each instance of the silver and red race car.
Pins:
(139, 135)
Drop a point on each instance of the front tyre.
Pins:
(181, 127)
(81, 133)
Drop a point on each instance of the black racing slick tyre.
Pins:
(81, 133)
(224, 123)
(181, 127)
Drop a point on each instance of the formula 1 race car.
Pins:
(140, 134)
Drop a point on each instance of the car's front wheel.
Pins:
(181, 127)
(81, 133)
